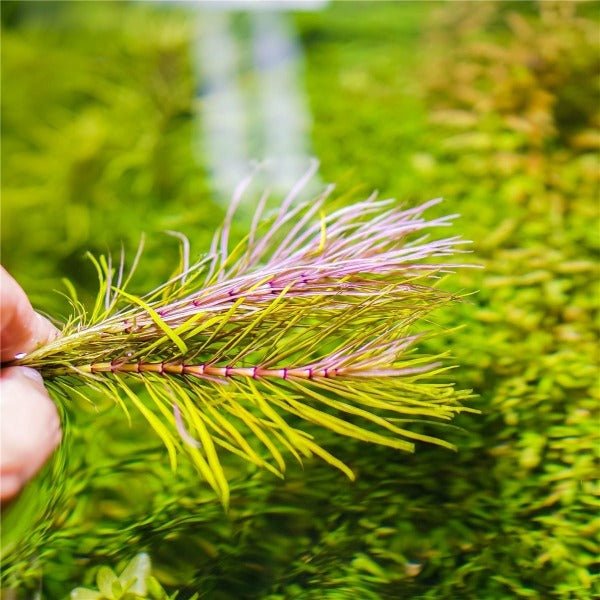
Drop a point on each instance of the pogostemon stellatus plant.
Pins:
(311, 317)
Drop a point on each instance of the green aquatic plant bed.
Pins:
(494, 107)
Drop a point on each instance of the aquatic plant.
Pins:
(134, 582)
(514, 513)
(308, 317)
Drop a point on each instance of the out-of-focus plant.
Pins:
(135, 582)
(514, 116)
(529, 87)
(111, 145)
(517, 110)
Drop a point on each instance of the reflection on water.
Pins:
(251, 103)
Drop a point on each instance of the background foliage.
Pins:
(492, 105)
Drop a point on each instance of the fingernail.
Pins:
(45, 330)
(32, 374)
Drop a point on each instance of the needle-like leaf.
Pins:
(311, 318)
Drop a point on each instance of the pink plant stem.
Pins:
(212, 372)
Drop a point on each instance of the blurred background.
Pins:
(123, 118)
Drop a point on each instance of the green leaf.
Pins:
(155, 590)
(170, 333)
(117, 590)
(134, 575)
(85, 594)
(104, 580)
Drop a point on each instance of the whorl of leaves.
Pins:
(310, 316)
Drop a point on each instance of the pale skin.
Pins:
(29, 422)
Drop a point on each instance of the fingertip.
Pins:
(30, 374)
(29, 428)
(42, 331)
(17, 378)
(10, 486)
(21, 328)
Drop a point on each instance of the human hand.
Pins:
(29, 423)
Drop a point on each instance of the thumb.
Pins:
(21, 328)
(29, 428)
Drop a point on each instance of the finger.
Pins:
(21, 328)
(29, 428)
